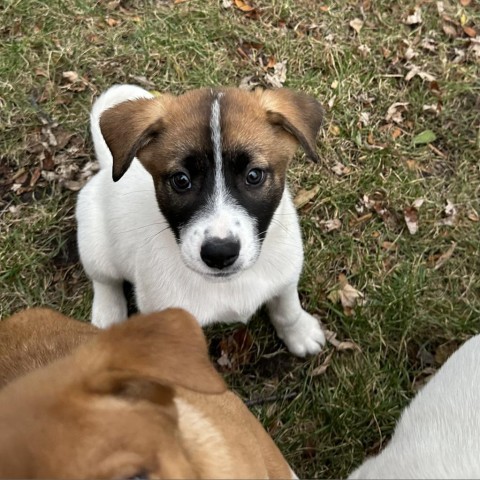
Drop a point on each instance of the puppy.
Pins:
(191, 206)
(140, 400)
(438, 435)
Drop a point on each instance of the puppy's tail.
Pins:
(113, 96)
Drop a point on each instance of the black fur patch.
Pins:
(260, 202)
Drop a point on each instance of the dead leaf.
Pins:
(416, 71)
(340, 169)
(143, 81)
(415, 17)
(364, 119)
(410, 53)
(73, 185)
(249, 83)
(330, 225)
(445, 256)
(469, 31)
(473, 215)
(279, 75)
(356, 24)
(236, 349)
(347, 295)
(440, 7)
(40, 72)
(412, 165)
(475, 46)
(432, 108)
(411, 219)
(227, 3)
(459, 55)
(450, 30)
(396, 133)
(321, 369)
(244, 7)
(429, 44)
(334, 130)
(71, 77)
(450, 215)
(360, 220)
(339, 345)
(389, 246)
(394, 112)
(112, 22)
(465, 3)
(304, 196)
(36, 173)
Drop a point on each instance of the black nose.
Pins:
(220, 252)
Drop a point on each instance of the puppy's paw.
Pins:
(304, 337)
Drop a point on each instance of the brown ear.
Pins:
(297, 113)
(166, 348)
(130, 126)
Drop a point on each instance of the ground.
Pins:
(390, 216)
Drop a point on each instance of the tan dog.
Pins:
(140, 400)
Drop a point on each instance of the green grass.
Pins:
(325, 425)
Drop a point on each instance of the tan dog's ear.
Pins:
(130, 126)
(297, 113)
(165, 349)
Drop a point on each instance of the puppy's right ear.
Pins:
(130, 126)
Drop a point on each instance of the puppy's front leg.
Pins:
(109, 304)
(300, 331)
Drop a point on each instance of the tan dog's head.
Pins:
(107, 411)
(218, 159)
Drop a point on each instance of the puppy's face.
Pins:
(107, 411)
(218, 159)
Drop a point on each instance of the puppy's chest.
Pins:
(232, 301)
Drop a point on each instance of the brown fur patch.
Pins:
(161, 131)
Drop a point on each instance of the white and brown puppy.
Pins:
(192, 208)
(140, 400)
(438, 435)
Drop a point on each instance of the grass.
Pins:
(413, 315)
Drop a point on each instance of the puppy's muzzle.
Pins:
(220, 253)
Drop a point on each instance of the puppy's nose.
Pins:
(220, 252)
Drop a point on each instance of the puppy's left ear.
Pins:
(297, 113)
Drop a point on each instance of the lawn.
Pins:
(390, 216)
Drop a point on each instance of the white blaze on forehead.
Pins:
(219, 189)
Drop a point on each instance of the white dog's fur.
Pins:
(122, 235)
(438, 435)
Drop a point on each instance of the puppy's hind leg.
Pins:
(300, 331)
(109, 304)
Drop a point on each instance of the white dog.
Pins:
(438, 435)
(191, 206)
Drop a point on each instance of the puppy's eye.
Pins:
(255, 177)
(180, 181)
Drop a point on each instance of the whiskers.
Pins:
(156, 234)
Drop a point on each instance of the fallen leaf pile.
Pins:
(57, 156)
